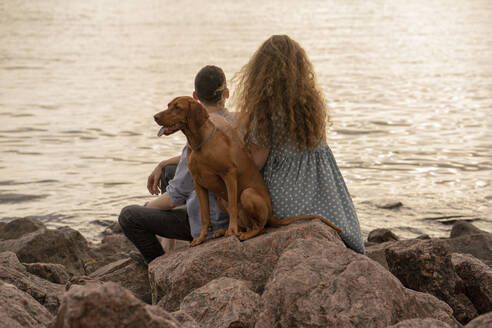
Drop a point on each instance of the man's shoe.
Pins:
(137, 257)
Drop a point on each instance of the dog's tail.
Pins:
(276, 221)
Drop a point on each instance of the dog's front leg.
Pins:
(230, 181)
(202, 195)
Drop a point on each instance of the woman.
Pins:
(283, 117)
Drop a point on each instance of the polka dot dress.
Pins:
(310, 182)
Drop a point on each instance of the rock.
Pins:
(55, 273)
(104, 223)
(63, 246)
(19, 310)
(477, 277)
(109, 305)
(426, 266)
(467, 239)
(389, 204)
(463, 228)
(20, 227)
(82, 281)
(381, 236)
(317, 283)
(223, 303)
(176, 274)
(112, 229)
(185, 320)
(420, 323)
(129, 274)
(377, 252)
(113, 247)
(483, 321)
(423, 237)
(43, 291)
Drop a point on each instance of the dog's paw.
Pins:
(197, 241)
(232, 232)
(243, 236)
(219, 233)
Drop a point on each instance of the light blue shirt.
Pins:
(181, 190)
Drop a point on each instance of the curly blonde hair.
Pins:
(278, 85)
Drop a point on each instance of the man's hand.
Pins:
(153, 181)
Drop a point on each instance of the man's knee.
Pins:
(127, 216)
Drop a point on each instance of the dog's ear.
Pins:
(197, 115)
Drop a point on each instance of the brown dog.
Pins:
(218, 161)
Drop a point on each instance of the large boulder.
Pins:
(45, 292)
(129, 274)
(465, 238)
(223, 303)
(477, 277)
(426, 266)
(317, 283)
(63, 246)
(19, 310)
(20, 227)
(111, 306)
(175, 275)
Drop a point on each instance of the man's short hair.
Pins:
(210, 84)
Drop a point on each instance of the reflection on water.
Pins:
(409, 84)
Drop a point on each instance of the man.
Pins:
(161, 216)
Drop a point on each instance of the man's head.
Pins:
(211, 86)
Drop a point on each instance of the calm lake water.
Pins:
(409, 85)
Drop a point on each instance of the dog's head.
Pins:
(182, 113)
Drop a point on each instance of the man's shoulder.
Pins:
(230, 116)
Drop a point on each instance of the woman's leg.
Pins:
(141, 225)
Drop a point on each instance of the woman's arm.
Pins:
(259, 154)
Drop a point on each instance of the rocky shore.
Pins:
(300, 275)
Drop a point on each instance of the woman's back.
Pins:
(310, 182)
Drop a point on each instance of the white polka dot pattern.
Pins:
(310, 182)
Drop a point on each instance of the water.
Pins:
(409, 85)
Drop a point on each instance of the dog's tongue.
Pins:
(162, 130)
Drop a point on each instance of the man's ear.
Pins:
(226, 93)
(195, 96)
(197, 115)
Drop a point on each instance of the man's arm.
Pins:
(163, 202)
(178, 189)
(155, 176)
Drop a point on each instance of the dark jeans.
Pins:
(141, 224)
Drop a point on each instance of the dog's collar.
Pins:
(204, 141)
